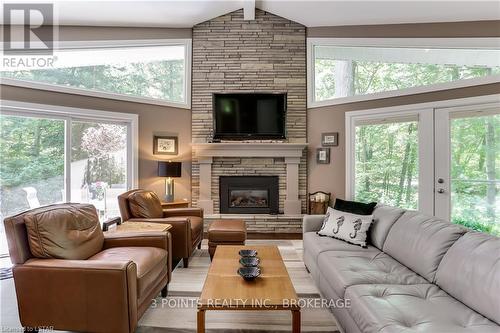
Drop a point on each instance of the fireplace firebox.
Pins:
(249, 194)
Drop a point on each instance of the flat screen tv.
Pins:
(240, 116)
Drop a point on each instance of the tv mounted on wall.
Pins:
(256, 116)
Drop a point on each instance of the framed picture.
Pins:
(165, 145)
(330, 139)
(323, 155)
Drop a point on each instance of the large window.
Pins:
(442, 158)
(52, 155)
(337, 70)
(157, 73)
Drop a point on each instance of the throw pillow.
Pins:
(345, 226)
(354, 207)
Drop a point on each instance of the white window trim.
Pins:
(187, 43)
(425, 112)
(396, 42)
(61, 112)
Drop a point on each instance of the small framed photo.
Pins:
(330, 139)
(165, 145)
(323, 155)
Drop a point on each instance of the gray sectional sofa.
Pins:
(418, 274)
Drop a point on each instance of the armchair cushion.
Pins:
(151, 262)
(69, 231)
(145, 204)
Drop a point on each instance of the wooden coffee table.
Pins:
(224, 289)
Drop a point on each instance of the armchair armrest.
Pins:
(312, 223)
(173, 212)
(66, 293)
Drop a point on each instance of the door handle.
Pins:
(440, 191)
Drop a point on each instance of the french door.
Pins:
(467, 184)
(442, 161)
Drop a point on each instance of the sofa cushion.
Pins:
(145, 204)
(383, 219)
(419, 242)
(316, 244)
(65, 231)
(470, 272)
(348, 268)
(151, 262)
(351, 228)
(412, 308)
(354, 207)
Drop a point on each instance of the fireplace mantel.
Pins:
(292, 152)
(250, 149)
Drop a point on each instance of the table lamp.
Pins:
(170, 170)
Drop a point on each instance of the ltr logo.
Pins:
(28, 28)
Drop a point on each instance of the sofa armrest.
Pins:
(144, 239)
(172, 212)
(312, 223)
(64, 294)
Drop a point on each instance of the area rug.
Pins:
(177, 312)
(5, 273)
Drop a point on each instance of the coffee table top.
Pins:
(224, 289)
(138, 227)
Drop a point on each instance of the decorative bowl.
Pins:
(249, 273)
(249, 261)
(248, 253)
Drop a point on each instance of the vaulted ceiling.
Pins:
(311, 13)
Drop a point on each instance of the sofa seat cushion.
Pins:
(316, 244)
(346, 268)
(412, 308)
(151, 262)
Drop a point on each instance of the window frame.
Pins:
(69, 114)
(477, 43)
(187, 43)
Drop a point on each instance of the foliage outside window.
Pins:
(157, 72)
(350, 71)
(386, 164)
(475, 172)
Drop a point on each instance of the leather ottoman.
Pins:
(226, 232)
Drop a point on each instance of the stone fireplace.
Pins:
(249, 194)
(264, 55)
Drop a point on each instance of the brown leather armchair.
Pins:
(187, 223)
(70, 276)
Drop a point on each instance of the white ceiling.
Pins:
(311, 13)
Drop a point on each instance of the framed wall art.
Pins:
(323, 155)
(330, 139)
(165, 145)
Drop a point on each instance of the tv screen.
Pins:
(249, 116)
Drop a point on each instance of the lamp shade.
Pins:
(169, 169)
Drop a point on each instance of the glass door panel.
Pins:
(31, 165)
(98, 165)
(387, 164)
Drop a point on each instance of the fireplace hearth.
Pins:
(249, 194)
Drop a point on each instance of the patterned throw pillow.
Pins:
(345, 226)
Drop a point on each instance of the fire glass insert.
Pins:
(249, 194)
(248, 198)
